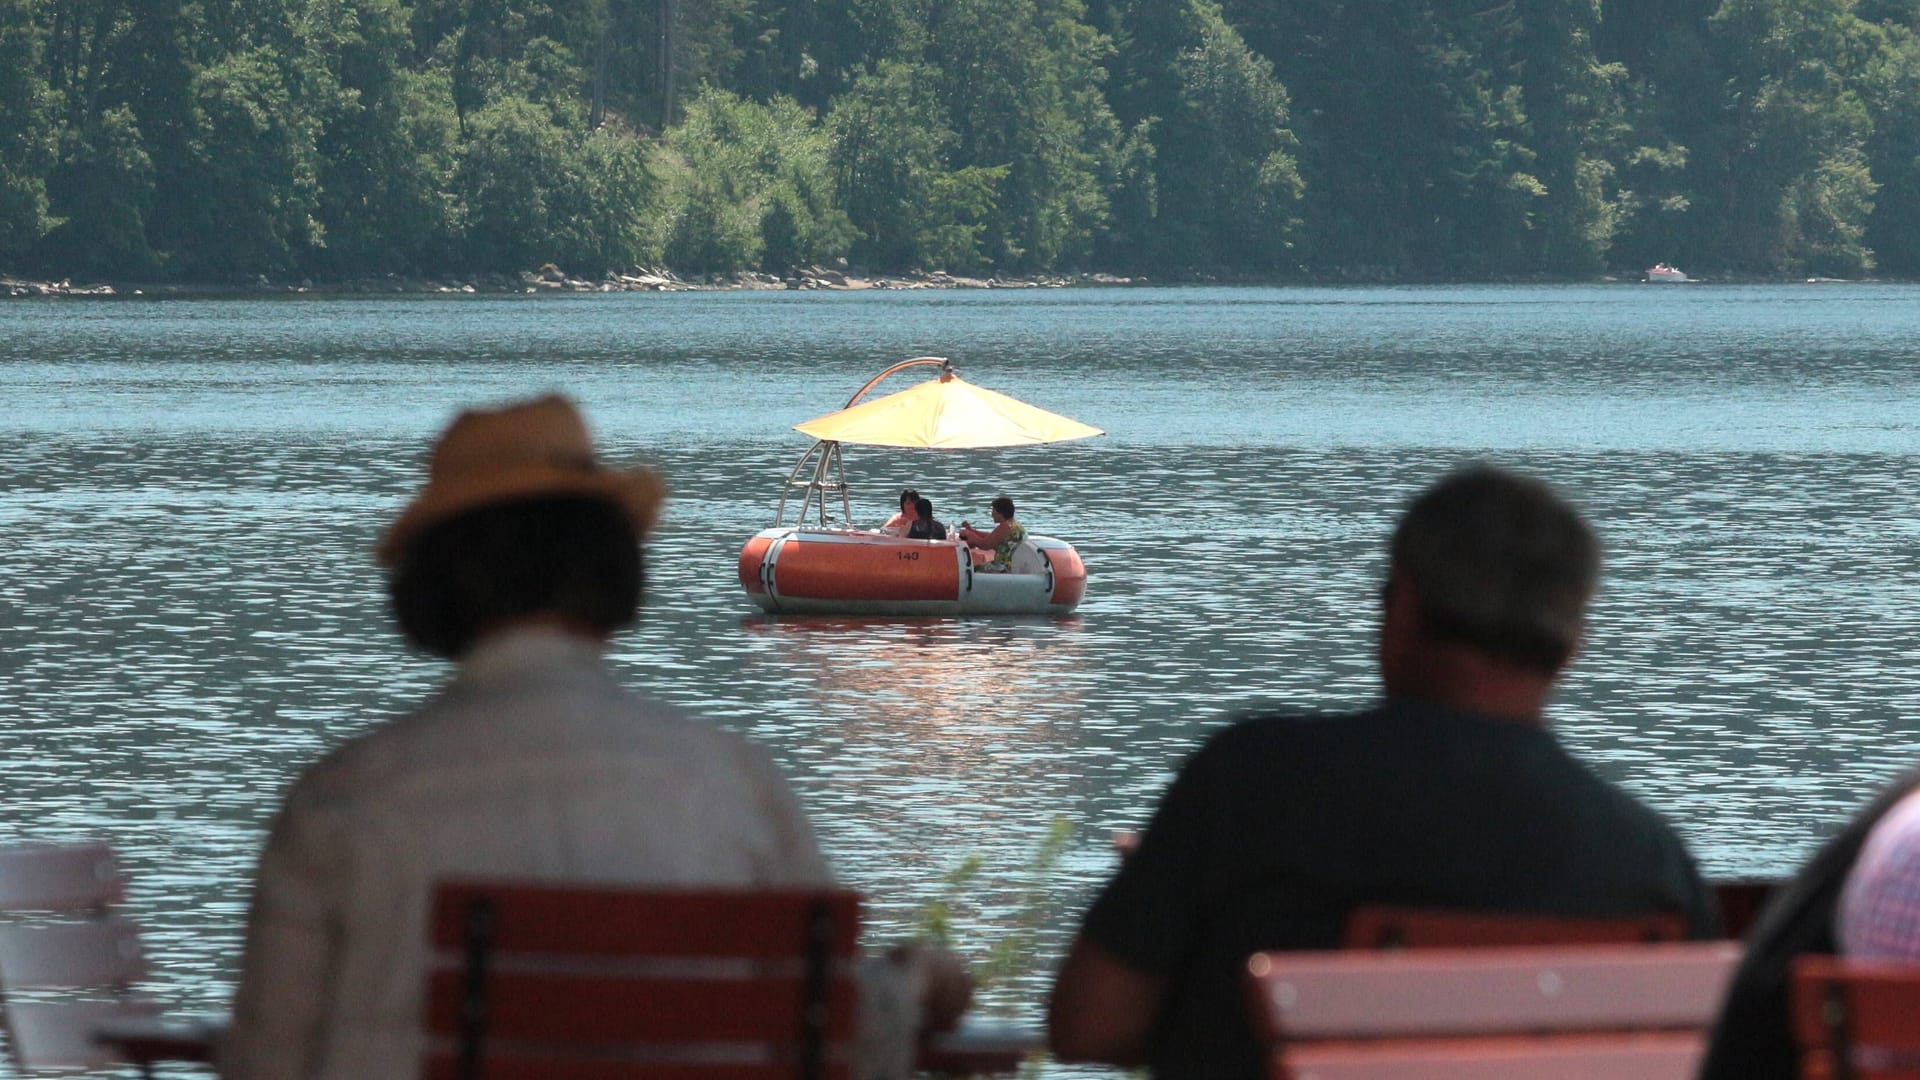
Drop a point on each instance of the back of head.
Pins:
(571, 558)
(1501, 563)
(518, 520)
(924, 507)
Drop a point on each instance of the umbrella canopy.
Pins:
(945, 414)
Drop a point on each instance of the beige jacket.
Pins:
(531, 763)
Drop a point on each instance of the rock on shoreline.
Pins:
(551, 279)
(12, 287)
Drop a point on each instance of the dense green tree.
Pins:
(604, 219)
(1224, 181)
(514, 169)
(223, 138)
(1022, 83)
(892, 159)
(27, 135)
(1373, 124)
(1576, 117)
(1671, 72)
(143, 63)
(1893, 154)
(386, 149)
(1782, 181)
(103, 187)
(747, 184)
(255, 170)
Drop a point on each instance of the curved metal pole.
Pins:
(821, 480)
(830, 464)
(828, 473)
(946, 372)
(846, 494)
(780, 515)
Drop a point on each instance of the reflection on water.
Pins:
(943, 727)
(188, 493)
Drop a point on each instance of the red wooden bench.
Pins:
(556, 982)
(68, 985)
(1594, 1012)
(1856, 1019)
(602, 983)
(1385, 927)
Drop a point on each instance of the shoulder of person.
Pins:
(359, 764)
(1606, 800)
(1282, 725)
(1261, 734)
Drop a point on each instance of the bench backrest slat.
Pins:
(59, 877)
(1645, 1056)
(509, 1066)
(1490, 991)
(97, 953)
(60, 1036)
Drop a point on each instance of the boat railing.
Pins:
(829, 475)
(826, 478)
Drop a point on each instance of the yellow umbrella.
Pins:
(947, 413)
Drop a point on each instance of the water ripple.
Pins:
(188, 493)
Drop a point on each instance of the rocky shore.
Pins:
(551, 279)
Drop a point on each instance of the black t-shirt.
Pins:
(1279, 826)
(924, 529)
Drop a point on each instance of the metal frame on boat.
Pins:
(832, 568)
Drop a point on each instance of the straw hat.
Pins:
(521, 451)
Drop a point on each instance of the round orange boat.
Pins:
(833, 568)
(821, 571)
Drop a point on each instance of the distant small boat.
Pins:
(1669, 274)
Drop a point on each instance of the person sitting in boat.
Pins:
(924, 526)
(909, 509)
(1007, 535)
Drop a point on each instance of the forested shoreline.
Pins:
(231, 140)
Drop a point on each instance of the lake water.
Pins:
(189, 615)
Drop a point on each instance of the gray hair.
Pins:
(1499, 562)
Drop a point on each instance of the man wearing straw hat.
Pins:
(518, 559)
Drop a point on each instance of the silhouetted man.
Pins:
(1451, 793)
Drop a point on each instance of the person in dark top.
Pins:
(924, 527)
(1451, 793)
(1753, 1036)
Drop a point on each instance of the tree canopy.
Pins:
(223, 140)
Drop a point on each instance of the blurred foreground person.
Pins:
(518, 559)
(1451, 793)
(1879, 917)
(1859, 894)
